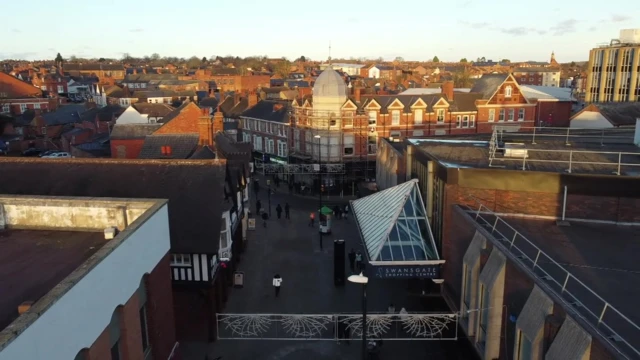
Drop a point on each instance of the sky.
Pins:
(412, 29)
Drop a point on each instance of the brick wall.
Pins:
(553, 113)
(131, 148)
(162, 332)
(183, 123)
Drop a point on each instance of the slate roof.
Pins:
(92, 67)
(208, 102)
(205, 153)
(407, 100)
(106, 113)
(464, 102)
(182, 146)
(133, 131)
(269, 110)
(230, 149)
(65, 114)
(175, 112)
(488, 84)
(155, 110)
(194, 189)
(620, 114)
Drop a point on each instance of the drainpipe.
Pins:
(564, 203)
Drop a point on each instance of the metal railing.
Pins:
(622, 135)
(588, 305)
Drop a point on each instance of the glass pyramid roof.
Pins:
(394, 224)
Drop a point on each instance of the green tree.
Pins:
(59, 58)
(204, 59)
(301, 59)
(283, 68)
(399, 59)
(463, 60)
(505, 61)
(193, 62)
(435, 59)
(573, 64)
(102, 60)
(462, 79)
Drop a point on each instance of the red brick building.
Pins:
(17, 96)
(500, 257)
(118, 312)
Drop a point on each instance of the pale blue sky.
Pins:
(416, 30)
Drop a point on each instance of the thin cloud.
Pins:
(352, 20)
(564, 27)
(17, 31)
(593, 28)
(477, 25)
(137, 30)
(616, 18)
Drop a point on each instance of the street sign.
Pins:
(238, 279)
(407, 271)
(251, 223)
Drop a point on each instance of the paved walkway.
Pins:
(291, 248)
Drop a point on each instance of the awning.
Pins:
(395, 230)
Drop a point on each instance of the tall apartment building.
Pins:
(614, 70)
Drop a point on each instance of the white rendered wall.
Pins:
(590, 120)
(77, 319)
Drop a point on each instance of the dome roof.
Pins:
(329, 84)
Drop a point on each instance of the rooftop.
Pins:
(591, 267)
(32, 262)
(584, 151)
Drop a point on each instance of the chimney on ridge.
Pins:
(447, 90)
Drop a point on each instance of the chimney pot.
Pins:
(110, 233)
(24, 307)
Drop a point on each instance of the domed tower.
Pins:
(553, 61)
(329, 93)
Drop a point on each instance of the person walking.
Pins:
(346, 212)
(286, 211)
(279, 211)
(258, 206)
(359, 261)
(352, 260)
(265, 216)
(277, 282)
(256, 186)
(312, 219)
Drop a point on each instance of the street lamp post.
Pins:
(363, 280)
(269, 195)
(319, 189)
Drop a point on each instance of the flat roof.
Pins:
(32, 262)
(604, 257)
(587, 155)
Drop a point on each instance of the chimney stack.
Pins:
(218, 120)
(357, 94)
(447, 90)
(253, 98)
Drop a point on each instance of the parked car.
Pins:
(49, 152)
(57, 155)
(31, 152)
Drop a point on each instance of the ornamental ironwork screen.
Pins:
(411, 326)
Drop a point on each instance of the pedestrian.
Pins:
(265, 216)
(258, 206)
(391, 309)
(352, 260)
(279, 211)
(336, 211)
(256, 187)
(312, 218)
(286, 211)
(290, 187)
(346, 212)
(277, 282)
(359, 261)
(276, 179)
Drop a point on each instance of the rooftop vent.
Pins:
(515, 150)
(110, 232)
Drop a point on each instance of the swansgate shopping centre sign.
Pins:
(407, 271)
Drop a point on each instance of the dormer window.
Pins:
(507, 91)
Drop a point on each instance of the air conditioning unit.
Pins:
(515, 150)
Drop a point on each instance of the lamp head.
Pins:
(358, 279)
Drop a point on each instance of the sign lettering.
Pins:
(407, 271)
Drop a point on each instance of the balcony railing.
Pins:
(621, 332)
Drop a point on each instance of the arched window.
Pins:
(114, 334)
(142, 311)
(507, 91)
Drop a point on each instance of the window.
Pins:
(166, 150)
(44, 130)
(468, 283)
(501, 116)
(511, 114)
(520, 114)
(492, 115)
(5, 108)
(180, 260)
(144, 329)
(507, 91)
(373, 117)
(417, 116)
(296, 139)
(458, 120)
(348, 143)
(36, 106)
(270, 146)
(440, 116)
(472, 121)
(395, 117)
(418, 133)
(282, 148)
(115, 351)
(484, 314)
(524, 347)
(224, 230)
(60, 89)
(23, 108)
(347, 119)
(465, 121)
